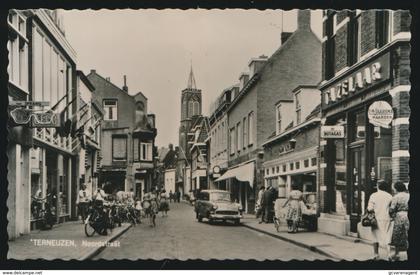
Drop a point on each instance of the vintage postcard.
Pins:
(208, 134)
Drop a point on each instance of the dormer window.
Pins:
(278, 119)
(298, 107)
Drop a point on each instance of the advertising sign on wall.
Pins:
(380, 113)
(332, 131)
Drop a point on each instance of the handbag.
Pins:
(369, 219)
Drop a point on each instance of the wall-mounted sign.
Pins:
(358, 81)
(29, 103)
(332, 131)
(45, 120)
(216, 169)
(380, 113)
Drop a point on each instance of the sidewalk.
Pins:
(337, 248)
(65, 241)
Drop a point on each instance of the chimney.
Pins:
(304, 20)
(92, 71)
(285, 36)
(243, 79)
(125, 88)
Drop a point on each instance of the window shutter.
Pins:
(119, 148)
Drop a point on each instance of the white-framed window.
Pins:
(18, 51)
(239, 136)
(278, 119)
(250, 128)
(232, 140)
(298, 107)
(111, 109)
(146, 151)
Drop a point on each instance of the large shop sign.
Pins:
(380, 113)
(332, 131)
(369, 75)
(22, 116)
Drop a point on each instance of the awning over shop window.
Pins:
(242, 173)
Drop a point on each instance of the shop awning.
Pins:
(242, 173)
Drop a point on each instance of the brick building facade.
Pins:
(365, 90)
(250, 119)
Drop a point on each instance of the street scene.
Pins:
(204, 134)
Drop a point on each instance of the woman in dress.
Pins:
(164, 205)
(398, 211)
(294, 209)
(379, 203)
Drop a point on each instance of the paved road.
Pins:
(180, 236)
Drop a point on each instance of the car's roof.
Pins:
(214, 191)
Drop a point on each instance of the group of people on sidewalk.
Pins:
(390, 229)
(391, 214)
(269, 206)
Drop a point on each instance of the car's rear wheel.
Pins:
(237, 222)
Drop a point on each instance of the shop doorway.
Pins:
(357, 187)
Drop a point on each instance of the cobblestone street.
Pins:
(180, 236)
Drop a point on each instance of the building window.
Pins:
(382, 28)
(268, 171)
(291, 166)
(284, 168)
(119, 148)
(297, 165)
(251, 128)
(277, 169)
(111, 109)
(354, 38)
(146, 151)
(196, 108)
(306, 163)
(329, 61)
(298, 107)
(272, 170)
(313, 161)
(278, 118)
(18, 51)
(239, 136)
(232, 141)
(245, 133)
(136, 149)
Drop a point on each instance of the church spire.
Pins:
(191, 80)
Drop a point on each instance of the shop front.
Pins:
(239, 181)
(365, 146)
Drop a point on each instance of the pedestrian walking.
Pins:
(178, 196)
(171, 196)
(295, 206)
(379, 203)
(258, 205)
(268, 204)
(398, 211)
(83, 202)
(164, 205)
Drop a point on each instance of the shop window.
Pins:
(340, 176)
(282, 187)
(306, 163)
(359, 126)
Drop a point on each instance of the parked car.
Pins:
(217, 205)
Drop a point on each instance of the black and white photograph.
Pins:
(208, 134)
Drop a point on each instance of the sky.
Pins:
(156, 48)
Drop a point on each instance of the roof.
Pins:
(191, 80)
(314, 112)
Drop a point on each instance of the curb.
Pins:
(297, 243)
(98, 250)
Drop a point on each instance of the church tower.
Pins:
(190, 109)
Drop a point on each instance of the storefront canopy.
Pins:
(242, 173)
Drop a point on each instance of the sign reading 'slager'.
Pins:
(332, 131)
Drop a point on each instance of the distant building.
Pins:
(199, 153)
(250, 117)
(128, 132)
(191, 108)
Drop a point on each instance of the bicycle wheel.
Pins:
(89, 230)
